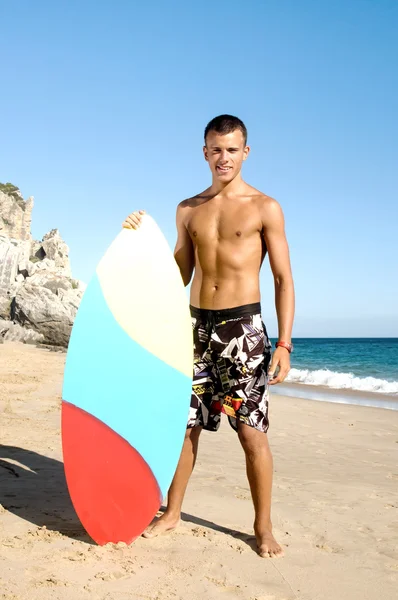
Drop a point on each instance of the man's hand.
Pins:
(133, 221)
(281, 359)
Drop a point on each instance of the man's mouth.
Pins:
(223, 170)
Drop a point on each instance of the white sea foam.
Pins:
(342, 381)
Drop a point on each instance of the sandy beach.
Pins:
(335, 506)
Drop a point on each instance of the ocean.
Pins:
(352, 370)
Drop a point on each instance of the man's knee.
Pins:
(193, 433)
(253, 441)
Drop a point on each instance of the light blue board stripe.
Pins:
(115, 379)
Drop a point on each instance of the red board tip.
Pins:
(113, 490)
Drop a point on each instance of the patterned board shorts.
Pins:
(232, 353)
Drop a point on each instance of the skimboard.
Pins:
(127, 386)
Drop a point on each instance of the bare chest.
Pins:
(209, 225)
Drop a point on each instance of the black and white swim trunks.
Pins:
(232, 353)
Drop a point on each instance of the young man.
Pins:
(223, 236)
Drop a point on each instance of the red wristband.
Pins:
(286, 345)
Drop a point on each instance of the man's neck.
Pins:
(231, 188)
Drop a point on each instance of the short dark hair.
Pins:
(224, 124)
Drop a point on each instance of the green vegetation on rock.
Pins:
(8, 188)
(12, 190)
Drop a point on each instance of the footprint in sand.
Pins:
(242, 496)
(201, 532)
(222, 583)
(18, 541)
(322, 545)
(242, 493)
(374, 496)
(51, 581)
(110, 576)
(327, 548)
(365, 529)
(76, 556)
(238, 548)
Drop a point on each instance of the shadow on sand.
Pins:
(33, 487)
(250, 540)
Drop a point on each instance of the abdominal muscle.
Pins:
(225, 277)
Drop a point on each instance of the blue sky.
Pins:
(103, 107)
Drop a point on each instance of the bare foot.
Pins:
(163, 524)
(267, 546)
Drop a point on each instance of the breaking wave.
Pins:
(342, 381)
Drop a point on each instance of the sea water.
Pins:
(368, 366)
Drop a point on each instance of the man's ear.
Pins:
(246, 152)
(205, 153)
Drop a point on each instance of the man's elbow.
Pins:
(283, 280)
(186, 277)
(185, 272)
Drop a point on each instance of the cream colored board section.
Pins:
(143, 288)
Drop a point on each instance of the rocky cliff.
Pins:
(38, 297)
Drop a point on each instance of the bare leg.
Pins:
(171, 517)
(259, 468)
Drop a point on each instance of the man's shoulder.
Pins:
(187, 203)
(262, 200)
(269, 210)
(194, 201)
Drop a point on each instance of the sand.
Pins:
(334, 507)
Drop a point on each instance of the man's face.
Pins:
(225, 154)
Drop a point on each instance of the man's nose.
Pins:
(223, 155)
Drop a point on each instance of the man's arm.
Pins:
(184, 251)
(278, 251)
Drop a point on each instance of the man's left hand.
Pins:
(281, 360)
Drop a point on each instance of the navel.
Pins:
(238, 233)
(195, 233)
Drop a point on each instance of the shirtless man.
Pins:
(223, 236)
